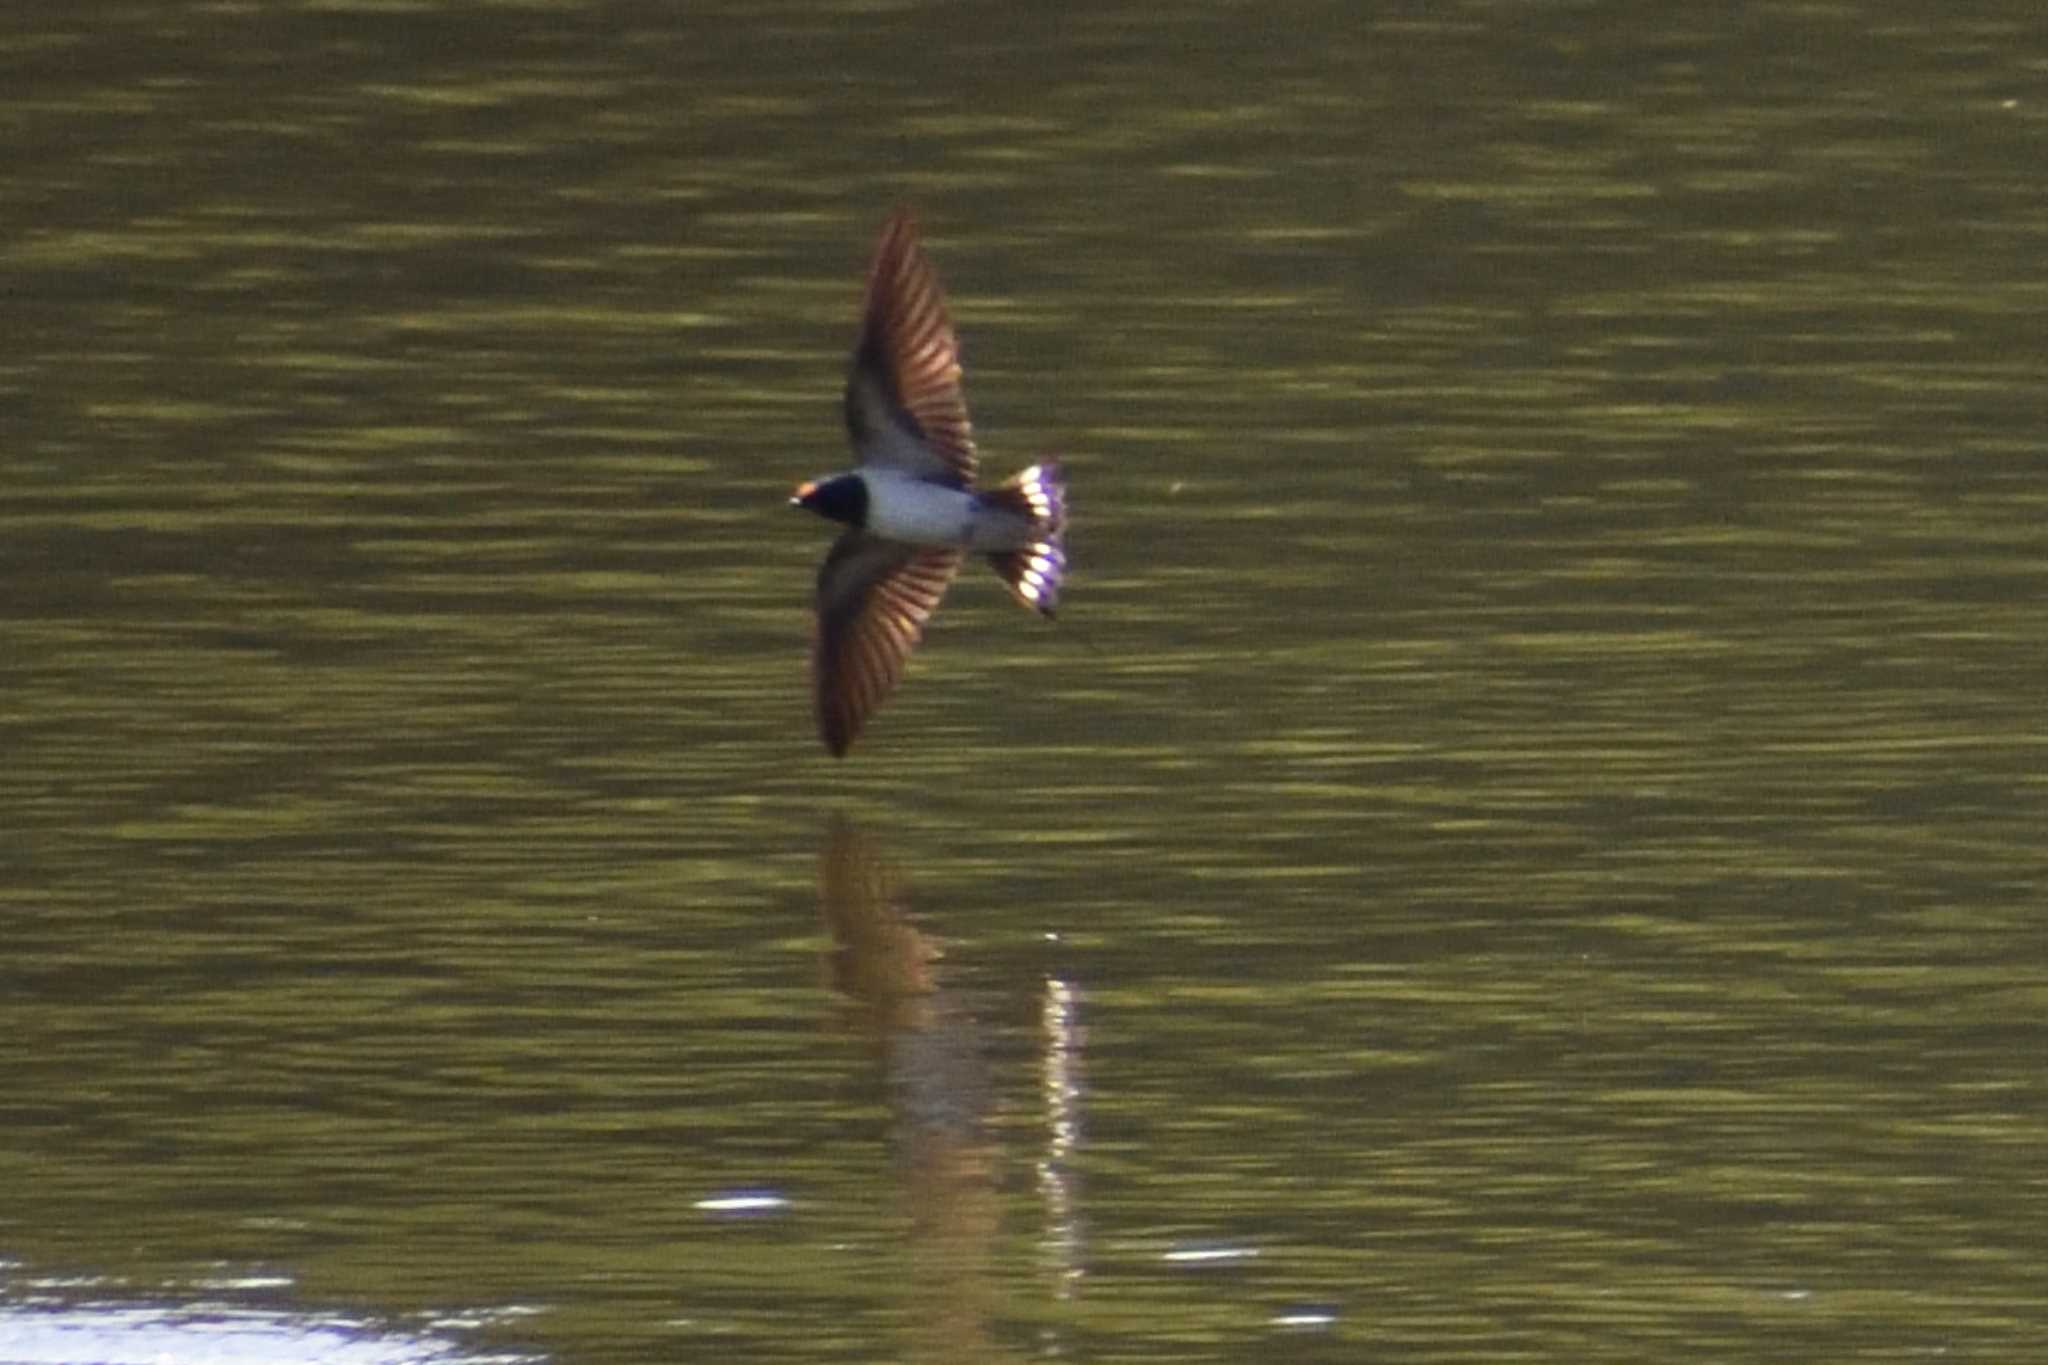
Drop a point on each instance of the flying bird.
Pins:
(911, 510)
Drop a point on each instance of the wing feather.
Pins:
(874, 597)
(904, 403)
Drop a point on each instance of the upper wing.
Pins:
(874, 596)
(904, 404)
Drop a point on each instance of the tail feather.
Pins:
(1033, 572)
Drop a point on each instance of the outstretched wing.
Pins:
(874, 597)
(904, 404)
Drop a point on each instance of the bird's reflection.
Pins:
(934, 1058)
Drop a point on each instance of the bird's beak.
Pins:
(797, 498)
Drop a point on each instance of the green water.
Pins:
(1525, 843)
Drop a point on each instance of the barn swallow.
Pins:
(911, 510)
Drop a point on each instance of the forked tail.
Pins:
(1032, 573)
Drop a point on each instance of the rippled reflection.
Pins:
(934, 1055)
(163, 1334)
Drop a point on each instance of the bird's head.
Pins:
(842, 498)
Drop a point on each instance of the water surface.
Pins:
(1524, 843)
